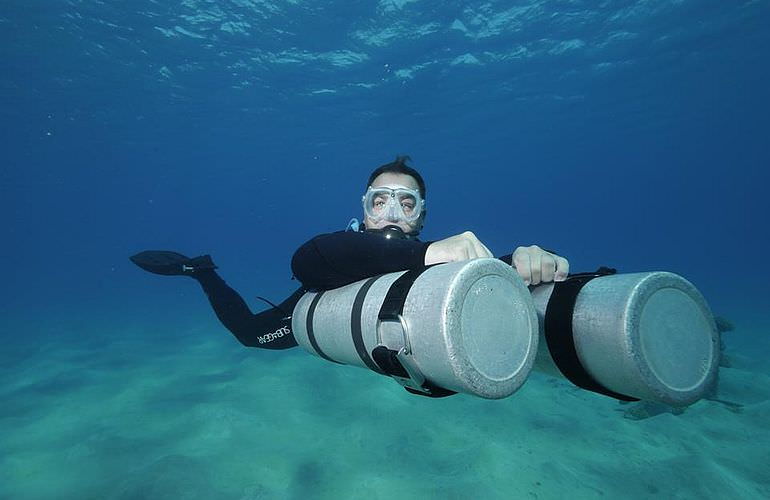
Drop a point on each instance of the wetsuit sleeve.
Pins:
(337, 259)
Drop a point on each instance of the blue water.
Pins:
(632, 134)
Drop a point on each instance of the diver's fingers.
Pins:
(474, 247)
(521, 262)
(536, 264)
(548, 267)
(562, 268)
(481, 250)
(459, 247)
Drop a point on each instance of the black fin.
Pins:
(170, 263)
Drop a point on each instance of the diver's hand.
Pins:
(536, 266)
(462, 246)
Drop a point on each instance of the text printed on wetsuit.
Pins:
(269, 337)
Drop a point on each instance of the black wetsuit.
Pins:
(325, 262)
(270, 329)
(337, 259)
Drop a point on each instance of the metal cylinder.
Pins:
(467, 326)
(647, 335)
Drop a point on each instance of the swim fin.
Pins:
(171, 263)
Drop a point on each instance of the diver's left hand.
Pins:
(536, 266)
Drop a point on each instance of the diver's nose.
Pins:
(392, 216)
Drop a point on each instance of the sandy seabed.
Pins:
(193, 415)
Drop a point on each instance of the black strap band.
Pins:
(392, 307)
(560, 337)
(309, 328)
(388, 360)
(355, 326)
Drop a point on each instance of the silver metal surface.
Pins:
(470, 326)
(646, 335)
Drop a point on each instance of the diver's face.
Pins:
(393, 180)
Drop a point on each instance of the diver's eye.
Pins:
(379, 203)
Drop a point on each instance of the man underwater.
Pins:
(386, 242)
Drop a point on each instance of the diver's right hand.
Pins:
(464, 246)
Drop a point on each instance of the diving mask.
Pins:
(393, 204)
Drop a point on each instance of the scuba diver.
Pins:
(387, 241)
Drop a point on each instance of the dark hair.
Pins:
(399, 166)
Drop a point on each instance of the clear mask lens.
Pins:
(393, 204)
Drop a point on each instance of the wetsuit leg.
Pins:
(270, 329)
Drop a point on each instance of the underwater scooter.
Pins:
(474, 327)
